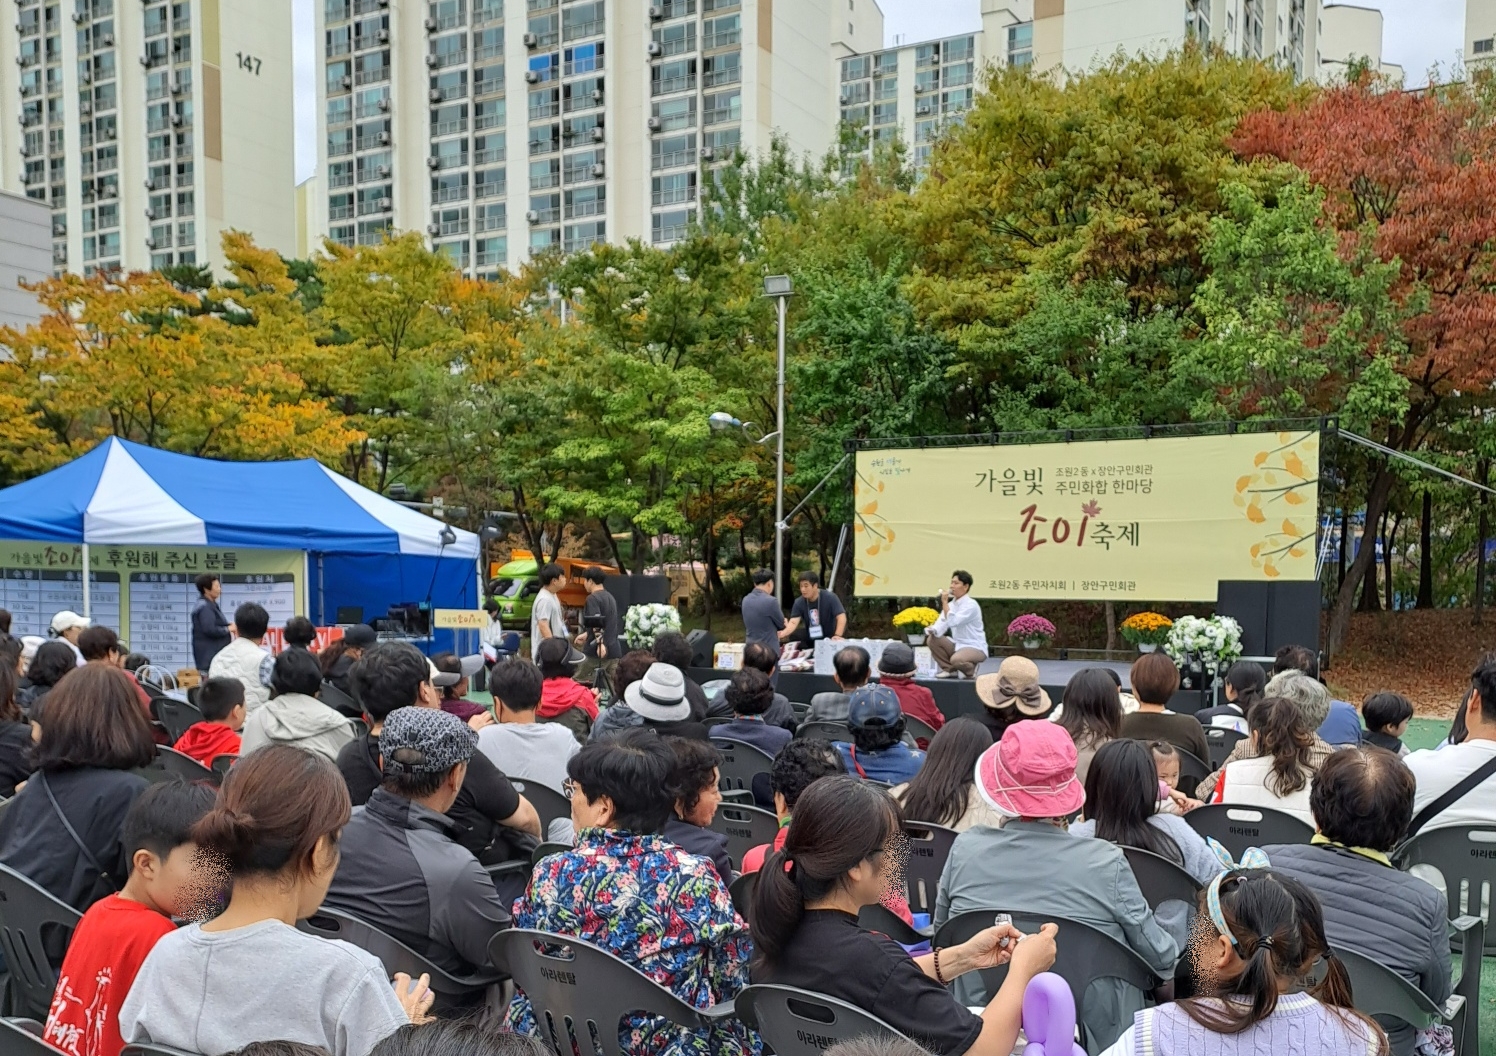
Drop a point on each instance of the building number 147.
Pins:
(248, 62)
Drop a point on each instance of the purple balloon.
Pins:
(1049, 1017)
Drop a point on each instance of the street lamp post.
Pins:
(780, 288)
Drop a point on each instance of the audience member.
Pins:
(1267, 928)
(65, 627)
(1092, 714)
(221, 701)
(1280, 775)
(133, 662)
(1457, 784)
(1313, 701)
(1155, 679)
(750, 696)
(1458, 732)
(300, 633)
(1340, 728)
(117, 932)
(63, 829)
(1362, 802)
(871, 1045)
(284, 1048)
(851, 668)
(246, 657)
(1029, 777)
(4, 621)
(798, 765)
(845, 847)
(451, 1038)
(274, 833)
(337, 660)
(100, 645)
(211, 630)
(402, 869)
(1011, 694)
(395, 675)
(52, 661)
(1387, 716)
(758, 657)
(1244, 682)
(695, 777)
(522, 748)
(564, 700)
(878, 751)
(672, 648)
(452, 677)
(294, 715)
(657, 702)
(16, 736)
(896, 669)
(944, 792)
(1166, 760)
(629, 890)
(11, 650)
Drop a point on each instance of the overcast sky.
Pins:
(1417, 34)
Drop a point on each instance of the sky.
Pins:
(1417, 35)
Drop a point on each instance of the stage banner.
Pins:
(146, 593)
(1160, 519)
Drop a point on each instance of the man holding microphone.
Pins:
(958, 640)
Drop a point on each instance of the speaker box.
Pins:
(703, 646)
(1271, 615)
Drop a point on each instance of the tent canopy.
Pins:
(122, 492)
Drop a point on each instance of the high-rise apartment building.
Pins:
(501, 127)
(150, 127)
(1480, 33)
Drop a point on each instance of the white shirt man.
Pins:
(958, 639)
(547, 618)
(1440, 769)
(522, 748)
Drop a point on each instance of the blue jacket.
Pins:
(1342, 727)
(894, 765)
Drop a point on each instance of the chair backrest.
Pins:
(1465, 856)
(826, 731)
(1221, 740)
(17, 1040)
(1083, 954)
(172, 765)
(392, 953)
(1379, 991)
(740, 763)
(918, 728)
(548, 803)
(715, 686)
(716, 720)
(545, 850)
(884, 921)
(147, 1049)
(336, 699)
(744, 827)
(1192, 769)
(33, 927)
(929, 847)
(222, 764)
(175, 715)
(1238, 828)
(796, 1022)
(580, 992)
(741, 891)
(1161, 880)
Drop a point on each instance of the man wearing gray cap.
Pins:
(402, 869)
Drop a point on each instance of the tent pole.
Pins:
(87, 586)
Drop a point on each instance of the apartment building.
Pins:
(150, 127)
(505, 127)
(1480, 33)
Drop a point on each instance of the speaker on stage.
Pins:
(1271, 615)
(703, 645)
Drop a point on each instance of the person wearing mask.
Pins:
(1313, 701)
(763, 619)
(1011, 694)
(1362, 802)
(452, 677)
(800, 764)
(944, 792)
(1264, 927)
(896, 671)
(838, 856)
(1456, 785)
(1244, 683)
(521, 747)
(1092, 715)
(628, 889)
(758, 657)
(851, 668)
(1155, 679)
(1387, 716)
(17, 736)
(816, 614)
(601, 645)
(695, 779)
(246, 657)
(52, 662)
(62, 830)
(66, 626)
(1280, 774)
(563, 700)
(656, 701)
(878, 751)
(211, 631)
(750, 696)
(958, 639)
(1341, 727)
(401, 868)
(671, 647)
(1029, 777)
(294, 715)
(547, 616)
(274, 830)
(337, 660)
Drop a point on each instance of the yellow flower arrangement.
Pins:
(914, 620)
(1146, 628)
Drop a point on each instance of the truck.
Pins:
(512, 587)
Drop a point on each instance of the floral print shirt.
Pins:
(664, 911)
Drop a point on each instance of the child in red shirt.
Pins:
(116, 934)
(221, 700)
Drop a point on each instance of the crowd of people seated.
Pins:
(415, 826)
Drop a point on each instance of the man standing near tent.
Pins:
(210, 631)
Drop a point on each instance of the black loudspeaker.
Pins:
(619, 587)
(1271, 615)
(649, 590)
(703, 646)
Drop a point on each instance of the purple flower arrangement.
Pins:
(1031, 627)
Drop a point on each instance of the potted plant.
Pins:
(643, 622)
(913, 621)
(1208, 646)
(1032, 630)
(1146, 630)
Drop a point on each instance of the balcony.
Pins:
(488, 51)
(340, 179)
(488, 157)
(675, 195)
(589, 65)
(664, 86)
(339, 47)
(722, 39)
(490, 190)
(446, 128)
(546, 216)
(545, 110)
(367, 7)
(452, 227)
(450, 194)
(449, 22)
(715, 78)
(374, 109)
(673, 158)
(449, 161)
(374, 76)
(588, 208)
(586, 29)
(340, 212)
(491, 120)
(722, 115)
(544, 181)
(451, 91)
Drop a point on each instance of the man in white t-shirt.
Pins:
(523, 749)
(547, 617)
(958, 640)
(1438, 770)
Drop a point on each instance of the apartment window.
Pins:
(717, 70)
(722, 142)
(161, 234)
(451, 221)
(489, 114)
(184, 174)
(955, 102)
(675, 114)
(587, 201)
(677, 39)
(181, 48)
(926, 55)
(490, 183)
(337, 72)
(489, 43)
(545, 174)
(106, 157)
(492, 252)
(547, 30)
(155, 21)
(372, 101)
(181, 16)
(673, 151)
(487, 11)
(672, 226)
(185, 201)
(852, 94)
(340, 174)
(456, 252)
(450, 153)
(675, 188)
(342, 234)
(488, 149)
(854, 115)
(546, 208)
(450, 187)
(490, 217)
(339, 142)
(446, 120)
(186, 236)
(372, 134)
(447, 13)
(372, 67)
(339, 110)
(450, 50)
(583, 236)
(584, 58)
(1021, 44)
(677, 76)
(340, 207)
(339, 41)
(488, 80)
(103, 98)
(545, 138)
(374, 167)
(721, 32)
(886, 64)
(578, 167)
(885, 113)
(856, 69)
(926, 81)
(678, 8)
(373, 232)
(157, 84)
(158, 117)
(954, 76)
(545, 103)
(1486, 46)
(450, 85)
(160, 206)
(722, 108)
(372, 199)
(582, 20)
(544, 239)
(337, 10)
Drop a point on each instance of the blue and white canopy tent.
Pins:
(138, 515)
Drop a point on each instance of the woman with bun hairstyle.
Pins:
(248, 974)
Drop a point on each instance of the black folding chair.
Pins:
(1084, 954)
(741, 892)
(740, 763)
(336, 699)
(548, 803)
(884, 921)
(745, 828)
(18, 1039)
(796, 1022)
(545, 850)
(222, 764)
(1465, 856)
(175, 715)
(148, 1049)
(929, 847)
(740, 796)
(1192, 770)
(35, 929)
(1238, 828)
(1379, 991)
(1221, 740)
(826, 731)
(1161, 880)
(580, 992)
(172, 765)
(918, 729)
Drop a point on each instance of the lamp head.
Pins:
(778, 286)
(721, 421)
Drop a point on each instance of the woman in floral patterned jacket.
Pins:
(640, 897)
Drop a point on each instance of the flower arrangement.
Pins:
(914, 620)
(1031, 630)
(1146, 628)
(1213, 643)
(643, 623)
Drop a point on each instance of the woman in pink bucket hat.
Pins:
(1033, 864)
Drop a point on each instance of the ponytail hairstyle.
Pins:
(1279, 725)
(1247, 679)
(275, 804)
(839, 823)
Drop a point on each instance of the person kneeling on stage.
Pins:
(958, 641)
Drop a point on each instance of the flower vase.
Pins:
(915, 640)
(1147, 647)
(1033, 643)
